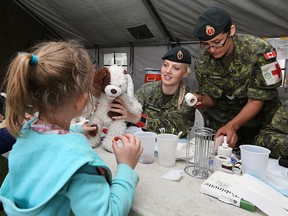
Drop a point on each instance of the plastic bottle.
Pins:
(224, 149)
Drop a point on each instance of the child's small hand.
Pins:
(88, 128)
(92, 129)
(130, 152)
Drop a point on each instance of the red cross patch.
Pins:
(271, 73)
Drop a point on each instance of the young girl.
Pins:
(53, 171)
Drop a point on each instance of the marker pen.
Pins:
(239, 202)
(244, 204)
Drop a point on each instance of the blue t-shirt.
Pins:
(6, 141)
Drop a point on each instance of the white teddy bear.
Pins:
(111, 83)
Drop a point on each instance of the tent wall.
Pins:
(102, 25)
(18, 31)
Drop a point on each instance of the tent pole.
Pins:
(158, 19)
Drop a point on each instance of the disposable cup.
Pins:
(167, 145)
(148, 141)
(254, 160)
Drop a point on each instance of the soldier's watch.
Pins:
(142, 121)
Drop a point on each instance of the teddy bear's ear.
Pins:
(106, 77)
(130, 86)
(100, 81)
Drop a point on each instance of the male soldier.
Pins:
(163, 101)
(275, 135)
(238, 77)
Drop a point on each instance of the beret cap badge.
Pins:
(210, 31)
(180, 55)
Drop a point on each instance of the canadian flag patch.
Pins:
(270, 55)
(271, 73)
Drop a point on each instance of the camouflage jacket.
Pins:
(243, 78)
(165, 115)
(280, 119)
(275, 135)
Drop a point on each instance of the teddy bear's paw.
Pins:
(108, 146)
(94, 145)
(93, 142)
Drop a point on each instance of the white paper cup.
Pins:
(148, 141)
(254, 160)
(167, 145)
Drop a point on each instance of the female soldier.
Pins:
(163, 101)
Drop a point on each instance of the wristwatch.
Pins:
(142, 121)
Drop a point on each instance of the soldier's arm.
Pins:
(249, 111)
(261, 88)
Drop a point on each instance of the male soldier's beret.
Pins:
(178, 54)
(212, 22)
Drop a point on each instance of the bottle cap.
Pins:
(225, 144)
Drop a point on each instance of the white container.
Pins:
(224, 149)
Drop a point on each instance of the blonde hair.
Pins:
(62, 70)
(182, 87)
(189, 70)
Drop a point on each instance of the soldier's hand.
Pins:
(230, 132)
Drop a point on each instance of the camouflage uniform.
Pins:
(275, 135)
(164, 115)
(236, 81)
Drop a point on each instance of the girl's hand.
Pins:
(130, 152)
(88, 128)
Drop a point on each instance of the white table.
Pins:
(156, 196)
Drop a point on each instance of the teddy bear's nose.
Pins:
(113, 91)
